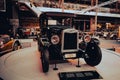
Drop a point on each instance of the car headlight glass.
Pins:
(87, 38)
(55, 39)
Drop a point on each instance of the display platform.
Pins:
(25, 64)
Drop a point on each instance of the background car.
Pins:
(8, 44)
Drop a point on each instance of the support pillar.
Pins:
(93, 21)
(84, 26)
(119, 32)
(92, 24)
(12, 13)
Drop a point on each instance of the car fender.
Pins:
(16, 41)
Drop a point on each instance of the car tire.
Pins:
(93, 54)
(15, 46)
(45, 60)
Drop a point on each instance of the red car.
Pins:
(8, 44)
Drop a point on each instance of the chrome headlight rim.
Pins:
(55, 39)
(87, 38)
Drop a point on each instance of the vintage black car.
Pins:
(59, 40)
(8, 44)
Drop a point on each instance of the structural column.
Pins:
(92, 24)
(93, 21)
(12, 14)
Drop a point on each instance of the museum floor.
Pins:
(25, 64)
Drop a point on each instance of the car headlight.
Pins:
(87, 38)
(55, 39)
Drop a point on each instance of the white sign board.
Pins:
(52, 22)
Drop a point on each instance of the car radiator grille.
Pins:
(70, 41)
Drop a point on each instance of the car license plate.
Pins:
(70, 55)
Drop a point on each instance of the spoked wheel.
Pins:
(45, 60)
(93, 54)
